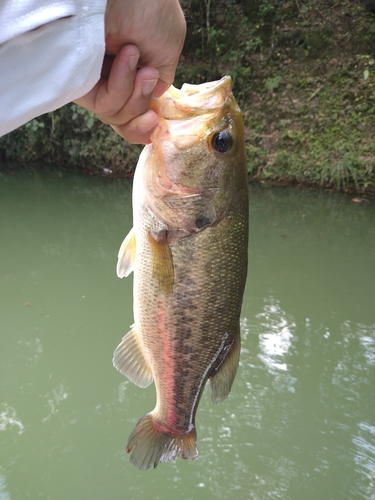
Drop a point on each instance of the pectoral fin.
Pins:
(222, 380)
(162, 261)
(129, 360)
(126, 255)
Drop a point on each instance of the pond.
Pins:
(300, 420)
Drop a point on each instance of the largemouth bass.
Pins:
(188, 252)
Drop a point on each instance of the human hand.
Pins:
(123, 94)
(156, 27)
(144, 34)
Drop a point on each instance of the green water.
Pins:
(300, 421)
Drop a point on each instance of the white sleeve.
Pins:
(51, 52)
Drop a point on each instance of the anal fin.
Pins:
(221, 382)
(129, 360)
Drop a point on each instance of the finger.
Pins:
(139, 101)
(123, 70)
(115, 85)
(114, 93)
(139, 130)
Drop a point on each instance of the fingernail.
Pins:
(133, 61)
(148, 86)
(144, 129)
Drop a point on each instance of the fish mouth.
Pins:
(192, 100)
(183, 113)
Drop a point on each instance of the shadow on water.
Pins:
(300, 421)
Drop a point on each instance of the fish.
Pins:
(188, 252)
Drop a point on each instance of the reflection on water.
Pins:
(53, 400)
(277, 340)
(4, 495)
(300, 421)
(8, 419)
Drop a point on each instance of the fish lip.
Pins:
(209, 88)
(207, 96)
(192, 100)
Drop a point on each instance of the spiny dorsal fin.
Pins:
(126, 255)
(221, 382)
(129, 360)
(162, 262)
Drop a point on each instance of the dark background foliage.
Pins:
(303, 73)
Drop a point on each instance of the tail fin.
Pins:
(150, 445)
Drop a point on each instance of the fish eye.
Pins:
(222, 142)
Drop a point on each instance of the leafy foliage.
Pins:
(70, 136)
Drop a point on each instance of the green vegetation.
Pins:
(73, 137)
(318, 126)
(304, 76)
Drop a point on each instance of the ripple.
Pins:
(8, 418)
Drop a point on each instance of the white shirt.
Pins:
(51, 52)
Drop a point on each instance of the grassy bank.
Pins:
(304, 75)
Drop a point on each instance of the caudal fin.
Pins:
(150, 444)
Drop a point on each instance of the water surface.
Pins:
(300, 421)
